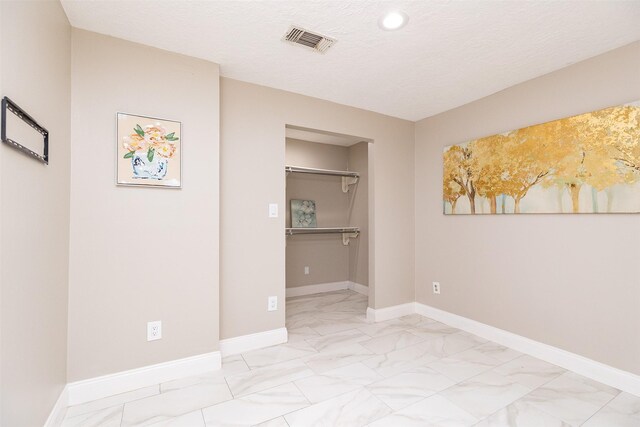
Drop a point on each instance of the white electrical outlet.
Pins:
(436, 287)
(306, 270)
(272, 304)
(273, 210)
(154, 330)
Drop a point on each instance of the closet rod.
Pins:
(299, 169)
(325, 230)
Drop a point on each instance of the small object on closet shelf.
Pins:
(9, 105)
(303, 214)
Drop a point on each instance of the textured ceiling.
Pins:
(450, 53)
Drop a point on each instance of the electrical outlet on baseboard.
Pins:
(306, 269)
(272, 304)
(436, 287)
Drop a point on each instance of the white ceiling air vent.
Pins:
(302, 37)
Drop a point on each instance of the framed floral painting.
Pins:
(149, 151)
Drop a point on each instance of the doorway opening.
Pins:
(329, 199)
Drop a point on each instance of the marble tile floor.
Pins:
(339, 370)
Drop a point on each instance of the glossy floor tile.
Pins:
(623, 411)
(328, 360)
(109, 417)
(522, 414)
(176, 402)
(356, 408)
(464, 365)
(337, 381)
(338, 340)
(384, 328)
(485, 394)
(276, 422)
(571, 398)
(111, 401)
(394, 341)
(276, 354)
(191, 419)
(398, 361)
(433, 411)
(267, 377)
(409, 387)
(530, 371)
(339, 370)
(256, 408)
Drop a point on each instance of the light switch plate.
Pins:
(273, 210)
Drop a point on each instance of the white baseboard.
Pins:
(255, 341)
(56, 416)
(387, 313)
(327, 287)
(357, 287)
(107, 385)
(316, 289)
(625, 381)
(614, 377)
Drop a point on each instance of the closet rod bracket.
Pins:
(348, 236)
(347, 181)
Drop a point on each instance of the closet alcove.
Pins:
(332, 171)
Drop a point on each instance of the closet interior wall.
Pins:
(329, 261)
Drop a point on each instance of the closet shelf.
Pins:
(347, 232)
(299, 169)
(348, 177)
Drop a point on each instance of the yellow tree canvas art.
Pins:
(583, 164)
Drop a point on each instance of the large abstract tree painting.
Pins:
(583, 164)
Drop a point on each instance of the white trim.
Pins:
(59, 410)
(357, 287)
(255, 341)
(108, 385)
(605, 374)
(316, 289)
(387, 313)
(327, 287)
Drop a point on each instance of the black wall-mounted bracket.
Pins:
(11, 106)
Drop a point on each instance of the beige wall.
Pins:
(253, 120)
(566, 280)
(34, 214)
(141, 254)
(325, 255)
(359, 214)
(315, 155)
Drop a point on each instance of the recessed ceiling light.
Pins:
(393, 20)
